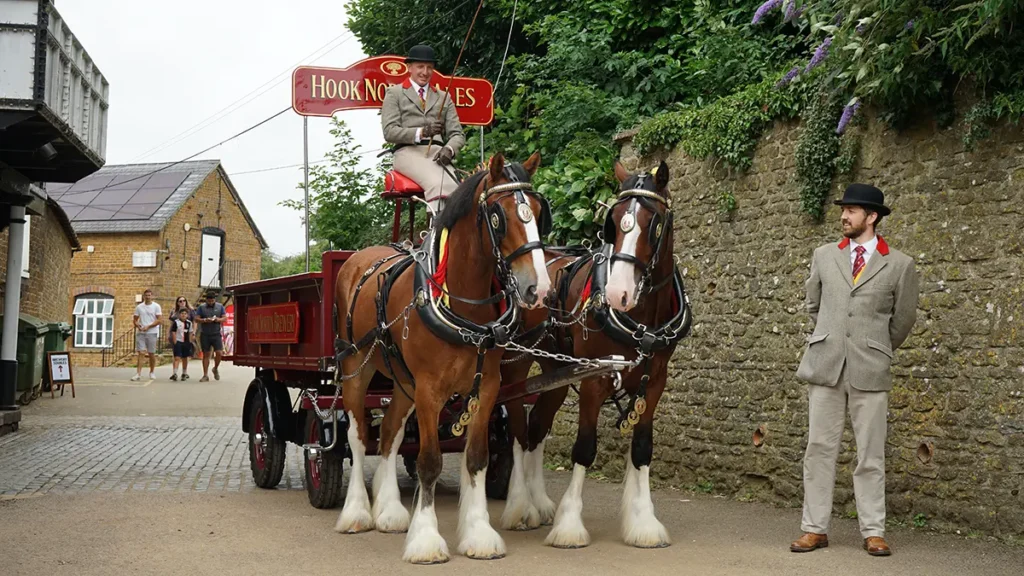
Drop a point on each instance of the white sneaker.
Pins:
(151, 376)
(135, 378)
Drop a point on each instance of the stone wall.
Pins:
(44, 294)
(955, 451)
(108, 268)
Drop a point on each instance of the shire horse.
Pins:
(436, 332)
(637, 309)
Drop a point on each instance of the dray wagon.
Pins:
(285, 329)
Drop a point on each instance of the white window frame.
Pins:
(94, 321)
(25, 252)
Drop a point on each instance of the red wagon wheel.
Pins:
(325, 470)
(266, 452)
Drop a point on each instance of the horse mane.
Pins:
(462, 201)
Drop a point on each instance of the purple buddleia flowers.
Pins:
(848, 113)
(790, 11)
(788, 77)
(838, 20)
(764, 9)
(819, 54)
(860, 29)
(909, 25)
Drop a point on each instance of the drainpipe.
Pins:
(12, 298)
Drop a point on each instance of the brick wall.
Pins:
(44, 294)
(959, 379)
(110, 263)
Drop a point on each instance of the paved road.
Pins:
(152, 478)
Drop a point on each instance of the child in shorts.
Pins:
(181, 342)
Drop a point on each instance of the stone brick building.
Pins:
(955, 451)
(175, 229)
(47, 274)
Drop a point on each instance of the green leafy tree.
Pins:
(346, 210)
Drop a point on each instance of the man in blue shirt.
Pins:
(210, 315)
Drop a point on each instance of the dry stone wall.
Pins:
(955, 451)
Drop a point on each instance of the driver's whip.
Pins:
(447, 90)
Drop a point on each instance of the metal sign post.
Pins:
(305, 171)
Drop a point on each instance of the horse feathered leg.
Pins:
(388, 513)
(423, 543)
(568, 530)
(520, 513)
(541, 419)
(477, 538)
(355, 515)
(640, 527)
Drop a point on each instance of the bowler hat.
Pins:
(864, 195)
(421, 53)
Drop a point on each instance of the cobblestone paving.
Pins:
(80, 454)
(55, 454)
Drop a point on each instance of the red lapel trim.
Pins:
(883, 247)
(407, 83)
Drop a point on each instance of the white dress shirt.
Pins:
(417, 87)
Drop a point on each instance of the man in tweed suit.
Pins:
(862, 296)
(409, 118)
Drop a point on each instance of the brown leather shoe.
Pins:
(809, 541)
(876, 546)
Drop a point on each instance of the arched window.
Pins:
(94, 321)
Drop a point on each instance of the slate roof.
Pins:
(136, 197)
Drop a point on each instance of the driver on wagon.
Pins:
(409, 117)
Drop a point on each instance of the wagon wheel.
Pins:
(266, 453)
(324, 473)
(499, 466)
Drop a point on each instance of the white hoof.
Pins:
(520, 516)
(425, 547)
(482, 543)
(354, 519)
(545, 508)
(424, 544)
(392, 518)
(568, 533)
(645, 533)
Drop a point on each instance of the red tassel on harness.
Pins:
(440, 275)
(585, 295)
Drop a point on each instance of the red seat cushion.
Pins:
(397, 184)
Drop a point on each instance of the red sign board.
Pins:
(323, 91)
(273, 323)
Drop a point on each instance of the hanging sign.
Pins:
(320, 91)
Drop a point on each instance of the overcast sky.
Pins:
(172, 65)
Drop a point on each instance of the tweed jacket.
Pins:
(859, 324)
(401, 115)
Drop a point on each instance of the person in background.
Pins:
(182, 303)
(181, 337)
(147, 326)
(210, 315)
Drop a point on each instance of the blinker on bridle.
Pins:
(496, 220)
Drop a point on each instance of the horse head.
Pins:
(639, 228)
(516, 219)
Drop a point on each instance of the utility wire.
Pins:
(199, 127)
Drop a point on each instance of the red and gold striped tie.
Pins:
(858, 263)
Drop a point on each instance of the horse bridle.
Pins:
(661, 224)
(494, 215)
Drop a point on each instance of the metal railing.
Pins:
(232, 272)
(123, 348)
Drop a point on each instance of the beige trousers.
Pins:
(827, 416)
(416, 163)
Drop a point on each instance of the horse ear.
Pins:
(661, 176)
(620, 172)
(532, 163)
(496, 167)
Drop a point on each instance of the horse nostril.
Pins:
(625, 300)
(531, 295)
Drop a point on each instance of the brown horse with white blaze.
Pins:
(627, 300)
(429, 368)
